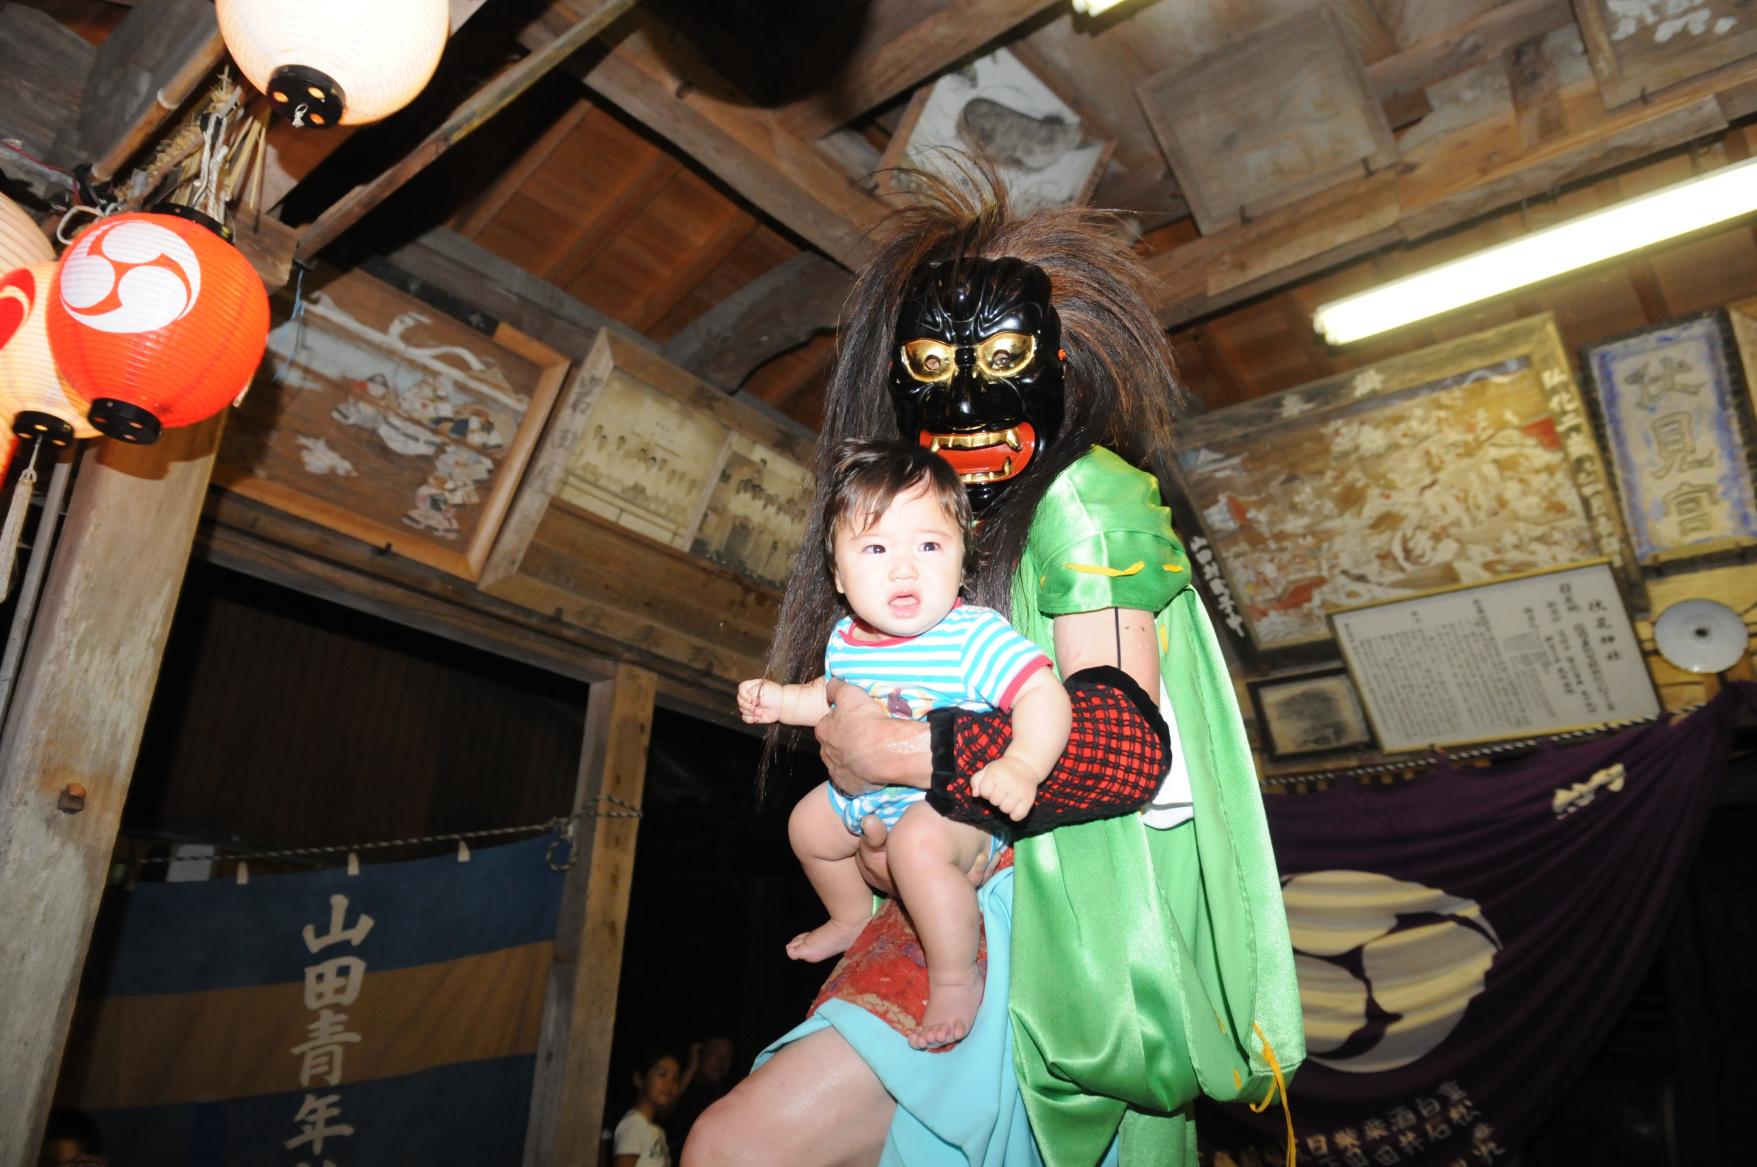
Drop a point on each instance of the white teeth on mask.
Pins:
(1007, 468)
(935, 447)
(1012, 438)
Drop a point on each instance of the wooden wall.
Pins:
(284, 721)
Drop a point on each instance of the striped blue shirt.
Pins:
(972, 659)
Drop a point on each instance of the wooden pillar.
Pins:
(76, 720)
(579, 1010)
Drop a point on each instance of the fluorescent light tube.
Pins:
(1641, 222)
(1094, 7)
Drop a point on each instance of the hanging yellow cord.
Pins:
(1281, 1086)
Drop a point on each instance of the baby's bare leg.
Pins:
(931, 858)
(826, 850)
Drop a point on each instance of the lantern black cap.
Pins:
(124, 421)
(306, 97)
(34, 424)
(200, 218)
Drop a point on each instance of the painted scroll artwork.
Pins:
(1387, 483)
(1639, 47)
(377, 415)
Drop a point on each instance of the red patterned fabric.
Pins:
(1114, 763)
(884, 971)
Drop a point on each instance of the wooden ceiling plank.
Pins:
(1474, 42)
(494, 200)
(642, 187)
(1442, 183)
(778, 311)
(733, 230)
(677, 95)
(465, 120)
(878, 72)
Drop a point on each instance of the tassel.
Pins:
(13, 527)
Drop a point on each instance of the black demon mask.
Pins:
(977, 371)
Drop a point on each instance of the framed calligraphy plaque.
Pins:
(1530, 655)
(1464, 462)
(1673, 402)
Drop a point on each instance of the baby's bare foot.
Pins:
(831, 938)
(951, 1009)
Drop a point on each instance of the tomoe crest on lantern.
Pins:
(157, 322)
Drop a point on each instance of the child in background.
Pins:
(639, 1141)
(898, 549)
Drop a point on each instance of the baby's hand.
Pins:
(1008, 784)
(759, 701)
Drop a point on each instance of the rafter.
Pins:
(775, 312)
(878, 71)
(665, 84)
(594, 16)
(1442, 183)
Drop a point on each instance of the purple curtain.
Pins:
(1466, 940)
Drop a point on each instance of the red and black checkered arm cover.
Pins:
(1118, 753)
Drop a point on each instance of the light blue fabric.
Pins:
(960, 1107)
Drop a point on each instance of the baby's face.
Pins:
(901, 574)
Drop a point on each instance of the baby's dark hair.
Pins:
(867, 475)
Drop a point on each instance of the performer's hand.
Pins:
(863, 747)
(759, 701)
(1008, 784)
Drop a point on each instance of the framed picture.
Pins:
(1314, 713)
(998, 108)
(379, 416)
(1533, 654)
(1276, 115)
(643, 444)
(1457, 464)
(1639, 48)
(1675, 421)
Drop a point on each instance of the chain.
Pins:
(608, 807)
(1438, 756)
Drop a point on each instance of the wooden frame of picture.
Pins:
(1037, 176)
(1310, 714)
(1459, 463)
(1637, 54)
(1529, 655)
(644, 445)
(1269, 118)
(1677, 426)
(377, 415)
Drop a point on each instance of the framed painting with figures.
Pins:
(1461, 463)
(1312, 713)
(377, 415)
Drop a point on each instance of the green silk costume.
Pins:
(1148, 965)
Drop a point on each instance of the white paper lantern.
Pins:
(336, 62)
(35, 400)
(21, 242)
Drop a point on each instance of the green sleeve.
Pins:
(1101, 539)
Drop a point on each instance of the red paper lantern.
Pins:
(157, 321)
(35, 400)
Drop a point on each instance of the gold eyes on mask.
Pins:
(1005, 354)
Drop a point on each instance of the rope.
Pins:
(1438, 756)
(609, 807)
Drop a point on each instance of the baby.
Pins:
(896, 527)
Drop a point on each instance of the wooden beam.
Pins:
(43, 70)
(71, 736)
(596, 16)
(579, 1010)
(474, 275)
(775, 312)
(1474, 42)
(1441, 183)
(665, 84)
(255, 540)
(144, 71)
(875, 73)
